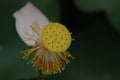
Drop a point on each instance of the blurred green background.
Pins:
(95, 25)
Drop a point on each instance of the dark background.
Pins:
(95, 25)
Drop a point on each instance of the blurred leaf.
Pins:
(51, 8)
(111, 7)
(90, 5)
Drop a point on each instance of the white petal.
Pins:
(25, 17)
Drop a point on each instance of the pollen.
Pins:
(56, 37)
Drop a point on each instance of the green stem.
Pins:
(41, 76)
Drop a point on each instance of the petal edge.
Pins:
(26, 17)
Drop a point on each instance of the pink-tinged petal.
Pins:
(26, 17)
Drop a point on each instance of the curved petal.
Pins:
(26, 17)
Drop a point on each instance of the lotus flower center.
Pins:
(56, 37)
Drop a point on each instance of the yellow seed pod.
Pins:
(56, 37)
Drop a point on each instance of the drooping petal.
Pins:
(26, 17)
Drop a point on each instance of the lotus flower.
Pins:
(49, 41)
